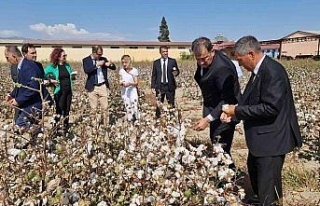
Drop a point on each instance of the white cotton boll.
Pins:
(75, 185)
(220, 199)
(222, 174)
(53, 157)
(177, 174)
(241, 193)
(33, 158)
(136, 199)
(200, 149)
(12, 153)
(175, 194)
(220, 190)
(132, 147)
(102, 203)
(151, 199)
(6, 127)
(200, 184)
(220, 157)
(212, 192)
(165, 148)
(140, 174)
(188, 159)
(150, 156)
(228, 186)
(89, 146)
(122, 154)
(217, 148)
(213, 161)
(171, 163)
(2, 134)
(228, 161)
(172, 200)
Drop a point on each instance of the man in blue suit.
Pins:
(97, 85)
(26, 95)
(269, 117)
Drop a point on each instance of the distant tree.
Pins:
(164, 31)
(220, 38)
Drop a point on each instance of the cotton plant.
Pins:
(146, 162)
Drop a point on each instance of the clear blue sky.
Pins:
(139, 20)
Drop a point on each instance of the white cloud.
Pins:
(70, 31)
(58, 29)
(8, 33)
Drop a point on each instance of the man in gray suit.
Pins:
(270, 120)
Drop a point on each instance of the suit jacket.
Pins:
(14, 72)
(267, 108)
(157, 74)
(40, 67)
(219, 85)
(27, 98)
(90, 69)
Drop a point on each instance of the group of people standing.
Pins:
(59, 75)
(266, 106)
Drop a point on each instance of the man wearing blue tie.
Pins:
(97, 85)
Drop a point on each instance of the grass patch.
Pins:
(299, 179)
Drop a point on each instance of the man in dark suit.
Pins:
(97, 85)
(270, 120)
(29, 52)
(217, 78)
(163, 83)
(27, 100)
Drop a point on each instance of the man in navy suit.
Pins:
(97, 85)
(27, 100)
(29, 52)
(163, 83)
(270, 120)
(218, 80)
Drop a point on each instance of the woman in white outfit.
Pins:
(129, 92)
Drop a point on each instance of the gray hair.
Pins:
(200, 43)
(14, 50)
(246, 44)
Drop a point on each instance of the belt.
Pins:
(98, 85)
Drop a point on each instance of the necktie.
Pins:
(164, 71)
(252, 77)
(249, 82)
(96, 75)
